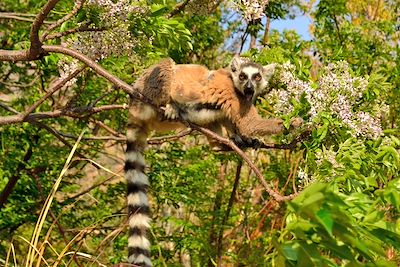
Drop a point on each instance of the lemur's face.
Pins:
(250, 79)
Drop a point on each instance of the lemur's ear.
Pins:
(269, 70)
(235, 63)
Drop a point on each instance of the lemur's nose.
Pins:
(249, 85)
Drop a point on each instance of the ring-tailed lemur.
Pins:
(192, 93)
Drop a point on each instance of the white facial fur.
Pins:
(250, 79)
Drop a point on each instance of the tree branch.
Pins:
(36, 50)
(55, 87)
(92, 64)
(178, 8)
(82, 28)
(77, 112)
(257, 172)
(78, 6)
(18, 16)
(162, 139)
(227, 213)
(14, 178)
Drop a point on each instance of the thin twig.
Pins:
(227, 213)
(82, 28)
(162, 139)
(21, 85)
(55, 133)
(8, 108)
(55, 87)
(292, 145)
(107, 128)
(178, 8)
(99, 138)
(15, 177)
(18, 16)
(78, 112)
(77, 7)
(213, 238)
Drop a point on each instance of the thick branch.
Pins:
(35, 51)
(36, 45)
(92, 64)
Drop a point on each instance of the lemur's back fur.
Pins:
(191, 92)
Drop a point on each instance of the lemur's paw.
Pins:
(170, 112)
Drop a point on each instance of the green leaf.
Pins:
(325, 218)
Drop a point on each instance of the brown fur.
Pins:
(190, 85)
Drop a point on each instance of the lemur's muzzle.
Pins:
(249, 91)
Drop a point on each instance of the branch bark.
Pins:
(20, 17)
(93, 65)
(77, 7)
(14, 179)
(78, 112)
(278, 197)
(54, 88)
(227, 213)
(178, 8)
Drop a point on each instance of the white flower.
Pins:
(338, 93)
(252, 9)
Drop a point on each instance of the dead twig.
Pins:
(162, 139)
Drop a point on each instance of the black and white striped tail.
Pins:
(137, 200)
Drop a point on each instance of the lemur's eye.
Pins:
(242, 76)
(257, 77)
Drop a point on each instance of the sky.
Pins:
(300, 24)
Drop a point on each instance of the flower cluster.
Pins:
(329, 156)
(337, 93)
(304, 178)
(67, 68)
(294, 89)
(114, 37)
(253, 9)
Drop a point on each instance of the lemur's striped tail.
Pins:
(137, 200)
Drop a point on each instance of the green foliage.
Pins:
(164, 34)
(350, 226)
